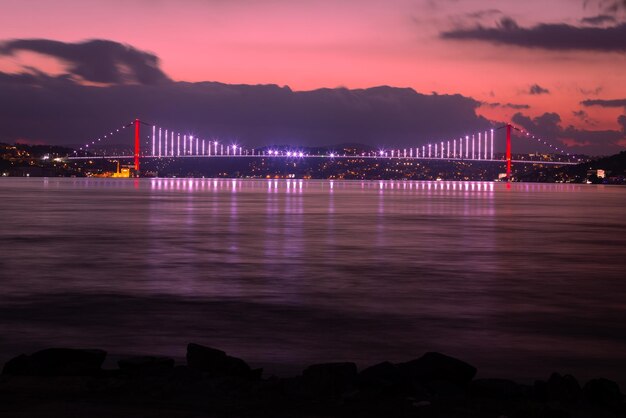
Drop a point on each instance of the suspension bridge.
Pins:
(167, 143)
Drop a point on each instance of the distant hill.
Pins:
(616, 164)
(614, 167)
(38, 151)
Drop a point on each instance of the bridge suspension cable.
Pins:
(166, 143)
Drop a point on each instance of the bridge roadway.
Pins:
(334, 157)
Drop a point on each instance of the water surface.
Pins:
(519, 280)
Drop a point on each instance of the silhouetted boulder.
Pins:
(440, 389)
(501, 389)
(603, 392)
(381, 377)
(146, 365)
(57, 362)
(330, 378)
(558, 388)
(435, 366)
(19, 365)
(216, 363)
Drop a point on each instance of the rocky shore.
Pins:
(63, 382)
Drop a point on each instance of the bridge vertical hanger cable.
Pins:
(481, 150)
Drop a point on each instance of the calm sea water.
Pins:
(520, 280)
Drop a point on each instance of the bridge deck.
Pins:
(328, 157)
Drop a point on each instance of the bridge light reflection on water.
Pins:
(288, 185)
(492, 272)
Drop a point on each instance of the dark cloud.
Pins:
(97, 61)
(61, 111)
(536, 89)
(546, 36)
(611, 6)
(507, 105)
(584, 117)
(549, 126)
(508, 24)
(598, 20)
(480, 14)
(33, 77)
(604, 103)
(580, 114)
(590, 92)
(622, 121)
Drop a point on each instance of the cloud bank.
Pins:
(536, 89)
(546, 36)
(549, 125)
(65, 110)
(605, 103)
(96, 61)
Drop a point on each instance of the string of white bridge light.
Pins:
(95, 141)
(477, 147)
(161, 138)
(163, 151)
(167, 143)
(440, 150)
(436, 150)
(529, 135)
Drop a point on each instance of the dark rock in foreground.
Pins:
(558, 388)
(146, 365)
(216, 363)
(436, 366)
(603, 392)
(502, 389)
(382, 378)
(57, 362)
(66, 382)
(330, 378)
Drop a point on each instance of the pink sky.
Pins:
(323, 43)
